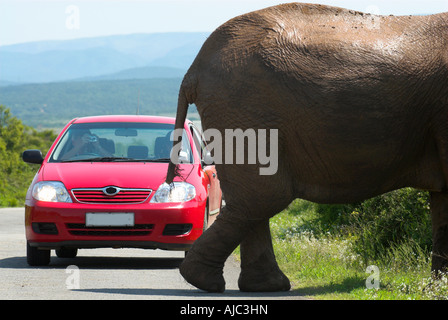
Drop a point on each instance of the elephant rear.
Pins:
(347, 91)
(360, 103)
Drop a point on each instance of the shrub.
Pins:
(396, 218)
(16, 175)
(383, 223)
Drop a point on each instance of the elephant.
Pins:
(360, 102)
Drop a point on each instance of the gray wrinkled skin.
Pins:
(361, 105)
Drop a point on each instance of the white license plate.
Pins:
(109, 219)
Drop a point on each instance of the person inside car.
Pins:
(85, 143)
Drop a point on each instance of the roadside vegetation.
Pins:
(16, 175)
(325, 249)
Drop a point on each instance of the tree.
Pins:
(16, 175)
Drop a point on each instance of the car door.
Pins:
(214, 191)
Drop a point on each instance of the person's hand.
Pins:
(85, 138)
(95, 142)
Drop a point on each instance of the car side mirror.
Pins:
(33, 156)
(208, 159)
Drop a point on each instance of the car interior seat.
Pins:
(138, 152)
(107, 144)
(162, 147)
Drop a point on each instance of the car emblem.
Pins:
(111, 191)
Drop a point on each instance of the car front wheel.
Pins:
(36, 257)
(66, 252)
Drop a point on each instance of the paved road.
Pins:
(103, 273)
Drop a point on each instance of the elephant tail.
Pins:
(184, 100)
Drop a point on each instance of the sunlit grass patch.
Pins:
(325, 261)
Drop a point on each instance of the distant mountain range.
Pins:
(52, 105)
(48, 83)
(100, 57)
(139, 73)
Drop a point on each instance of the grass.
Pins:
(326, 260)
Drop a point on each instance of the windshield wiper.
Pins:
(117, 159)
(158, 160)
(149, 160)
(99, 159)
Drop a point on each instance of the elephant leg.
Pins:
(259, 269)
(439, 217)
(204, 263)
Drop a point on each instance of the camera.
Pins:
(92, 139)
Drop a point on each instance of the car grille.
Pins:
(100, 195)
(80, 229)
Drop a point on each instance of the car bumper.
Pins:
(156, 226)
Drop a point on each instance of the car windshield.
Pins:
(123, 141)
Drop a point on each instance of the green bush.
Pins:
(325, 249)
(382, 224)
(399, 218)
(331, 218)
(16, 175)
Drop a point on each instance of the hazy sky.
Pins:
(34, 20)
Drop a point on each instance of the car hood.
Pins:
(100, 174)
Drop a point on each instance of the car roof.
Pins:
(125, 118)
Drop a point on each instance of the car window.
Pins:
(199, 142)
(107, 141)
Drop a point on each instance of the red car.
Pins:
(101, 184)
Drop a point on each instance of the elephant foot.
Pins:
(439, 265)
(439, 217)
(256, 281)
(201, 275)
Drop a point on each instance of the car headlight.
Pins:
(51, 191)
(177, 192)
